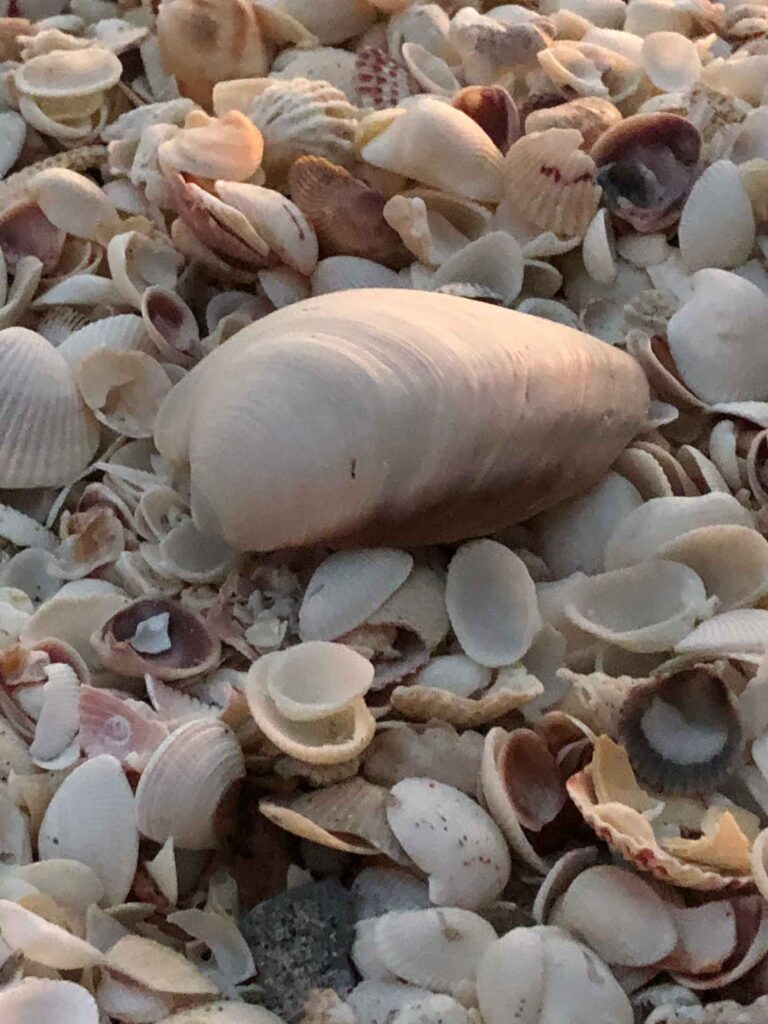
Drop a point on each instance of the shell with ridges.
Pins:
(718, 208)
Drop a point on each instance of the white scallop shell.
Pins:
(403, 141)
(38, 999)
(49, 435)
(452, 839)
(92, 819)
(124, 332)
(670, 60)
(189, 776)
(646, 607)
(347, 588)
(717, 226)
(741, 631)
(618, 915)
(491, 601)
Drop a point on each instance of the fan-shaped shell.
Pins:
(184, 790)
(670, 60)
(48, 434)
(731, 560)
(717, 227)
(350, 496)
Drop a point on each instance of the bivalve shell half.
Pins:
(48, 434)
(92, 819)
(123, 389)
(452, 839)
(491, 601)
(717, 226)
(190, 780)
(731, 560)
(38, 999)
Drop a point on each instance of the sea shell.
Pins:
(92, 819)
(300, 118)
(320, 64)
(472, 163)
(494, 110)
(670, 60)
(185, 791)
(718, 191)
(439, 949)
(37, 998)
(435, 225)
(51, 436)
(682, 731)
(416, 323)
(347, 214)
(74, 203)
(646, 167)
(157, 967)
(618, 915)
(737, 633)
(50, 944)
(431, 72)
(452, 839)
(230, 147)
(512, 688)
(349, 817)
(589, 115)
(590, 70)
(490, 48)
(123, 389)
(67, 76)
(484, 575)
(332, 21)
(171, 325)
(731, 560)
(550, 179)
(542, 972)
(704, 333)
(381, 80)
(403, 751)
(137, 262)
(493, 265)
(202, 43)
(158, 637)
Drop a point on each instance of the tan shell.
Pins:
(406, 327)
(511, 689)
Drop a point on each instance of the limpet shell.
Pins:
(452, 839)
(50, 435)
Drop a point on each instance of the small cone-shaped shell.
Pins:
(47, 435)
(478, 421)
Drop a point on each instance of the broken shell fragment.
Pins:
(159, 637)
(349, 497)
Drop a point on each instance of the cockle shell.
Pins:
(187, 785)
(401, 141)
(452, 839)
(50, 435)
(717, 193)
(550, 179)
(203, 42)
(541, 973)
(682, 730)
(416, 326)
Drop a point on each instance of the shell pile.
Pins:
(449, 592)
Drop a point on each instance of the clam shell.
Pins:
(494, 110)
(347, 588)
(137, 263)
(171, 325)
(67, 75)
(74, 203)
(123, 389)
(124, 332)
(493, 263)
(543, 971)
(157, 967)
(36, 999)
(604, 897)
(670, 60)
(349, 817)
(401, 141)
(682, 731)
(47, 944)
(320, 64)
(549, 178)
(491, 603)
(189, 779)
(646, 607)
(431, 72)
(341, 273)
(92, 819)
(432, 822)
(731, 560)
(404, 328)
(741, 631)
(589, 115)
(417, 606)
(717, 208)
(455, 673)
(590, 70)
(50, 436)
(115, 725)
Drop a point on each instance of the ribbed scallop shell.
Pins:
(184, 789)
(48, 434)
(382, 81)
(550, 179)
(300, 118)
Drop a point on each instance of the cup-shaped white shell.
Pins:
(618, 915)
(717, 227)
(328, 739)
(434, 948)
(403, 141)
(48, 434)
(452, 839)
(66, 75)
(647, 607)
(183, 791)
(38, 999)
(123, 389)
(357, 472)
(542, 975)
(92, 819)
(492, 603)
(317, 679)
(713, 338)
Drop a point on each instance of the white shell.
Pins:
(670, 60)
(715, 338)
(731, 560)
(454, 672)
(542, 976)
(185, 782)
(332, 21)
(452, 839)
(491, 603)
(717, 226)
(347, 588)
(221, 935)
(742, 631)
(647, 607)
(13, 130)
(49, 435)
(493, 262)
(39, 999)
(74, 203)
(124, 332)
(618, 915)
(317, 679)
(123, 389)
(339, 273)
(92, 819)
